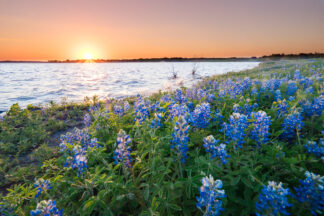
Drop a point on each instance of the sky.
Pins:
(120, 29)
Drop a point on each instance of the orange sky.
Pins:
(44, 29)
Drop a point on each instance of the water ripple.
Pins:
(43, 82)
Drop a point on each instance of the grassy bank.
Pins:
(221, 147)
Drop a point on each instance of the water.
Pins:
(34, 83)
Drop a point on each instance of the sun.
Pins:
(87, 56)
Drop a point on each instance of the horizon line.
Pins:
(98, 60)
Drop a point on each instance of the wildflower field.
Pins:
(246, 143)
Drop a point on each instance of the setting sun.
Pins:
(87, 56)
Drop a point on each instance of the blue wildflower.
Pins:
(235, 129)
(291, 98)
(179, 97)
(291, 125)
(282, 107)
(261, 126)
(292, 88)
(318, 105)
(94, 108)
(180, 138)
(309, 90)
(210, 144)
(254, 92)
(93, 144)
(141, 110)
(119, 110)
(76, 137)
(313, 148)
(209, 201)
(42, 185)
(191, 106)
(246, 109)
(273, 200)
(277, 95)
(79, 161)
(156, 122)
(123, 150)
(87, 120)
(179, 110)
(311, 192)
(201, 115)
(218, 117)
(46, 208)
(126, 106)
(297, 75)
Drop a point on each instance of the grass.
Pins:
(157, 183)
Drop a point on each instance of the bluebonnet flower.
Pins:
(270, 85)
(230, 88)
(273, 200)
(87, 120)
(254, 92)
(166, 98)
(309, 90)
(235, 129)
(77, 136)
(42, 185)
(261, 126)
(311, 192)
(201, 93)
(79, 160)
(245, 84)
(210, 144)
(218, 117)
(291, 98)
(238, 109)
(126, 106)
(156, 122)
(318, 105)
(201, 115)
(297, 75)
(292, 88)
(277, 95)
(141, 110)
(191, 106)
(180, 138)
(209, 201)
(93, 144)
(291, 125)
(118, 109)
(94, 108)
(246, 109)
(221, 93)
(179, 97)
(210, 97)
(123, 150)
(101, 113)
(46, 208)
(179, 110)
(306, 82)
(313, 148)
(190, 93)
(282, 107)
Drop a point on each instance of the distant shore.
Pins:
(181, 59)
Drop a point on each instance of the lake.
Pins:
(39, 83)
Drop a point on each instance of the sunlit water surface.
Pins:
(34, 83)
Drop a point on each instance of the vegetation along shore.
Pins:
(246, 143)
